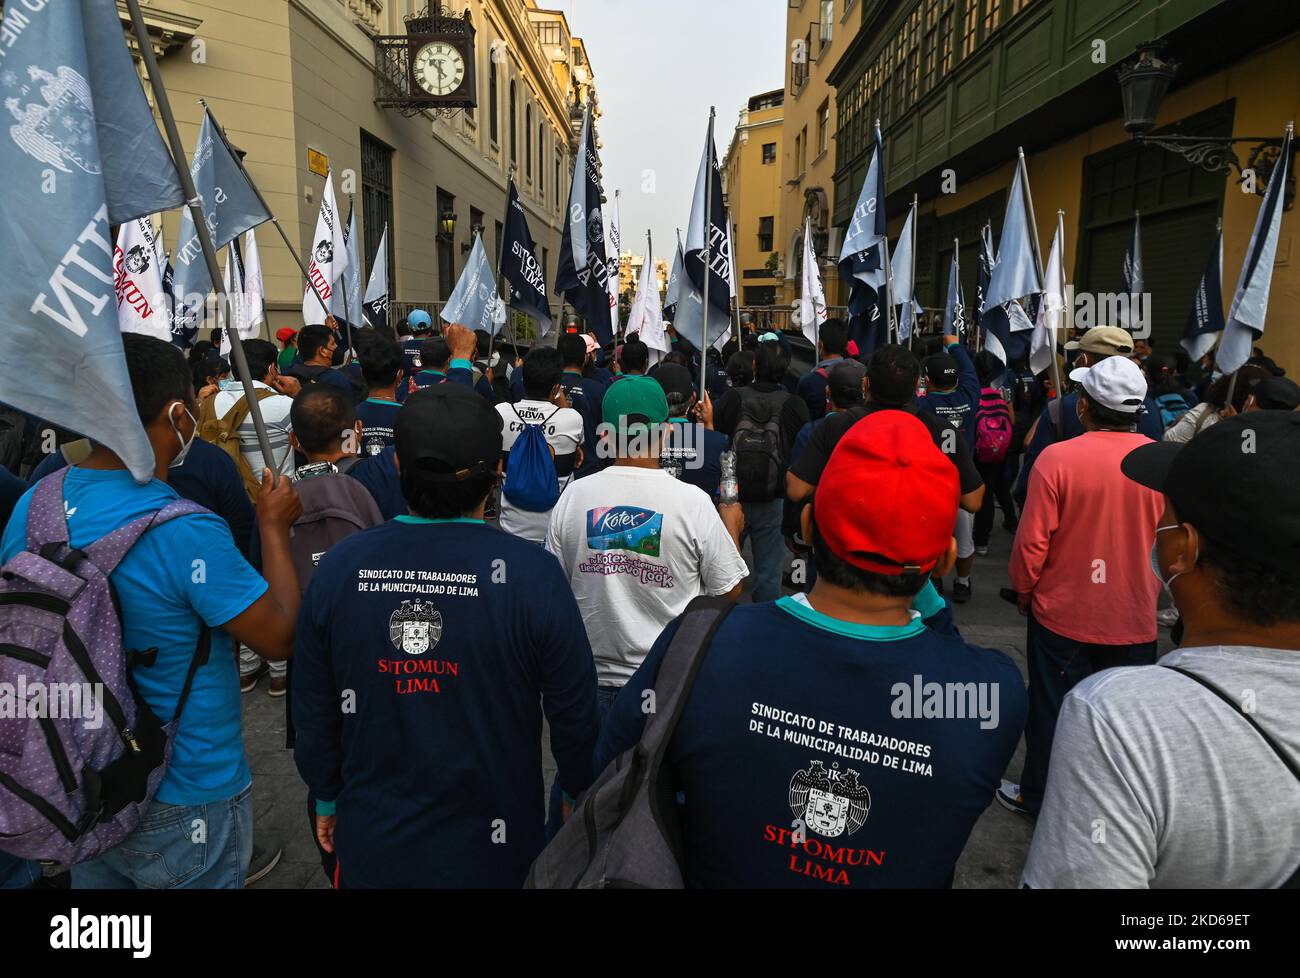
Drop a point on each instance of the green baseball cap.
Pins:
(635, 400)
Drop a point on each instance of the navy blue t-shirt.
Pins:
(436, 631)
(694, 455)
(378, 473)
(812, 388)
(814, 753)
(587, 397)
(957, 406)
(411, 355)
(377, 420)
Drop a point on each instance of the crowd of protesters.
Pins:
(448, 547)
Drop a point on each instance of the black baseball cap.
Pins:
(1235, 482)
(844, 382)
(942, 369)
(452, 425)
(1275, 393)
(675, 379)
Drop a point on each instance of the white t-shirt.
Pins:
(563, 433)
(638, 546)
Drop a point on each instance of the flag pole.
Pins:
(890, 322)
(956, 265)
(1038, 261)
(708, 254)
(619, 326)
(195, 204)
(239, 162)
(911, 309)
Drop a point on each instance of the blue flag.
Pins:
(994, 324)
(1245, 322)
(1016, 273)
(583, 275)
(954, 310)
(230, 206)
(674, 291)
(474, 302)
(375, 303)
(84, 153)
(345, 303)
(862, 258)
(1205, 322)
(525, 277)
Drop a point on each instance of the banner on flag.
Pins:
(812, 296)
(81, 119)
(1015, 274)
(1051, 311)
(138, 281)
(230, 207)
(954, 310)
(901, 261)
(706, 231)
(1245, 322)
(646, 316)
(345, 303)
(862, 258)
(1205, 321)
(583, 274)
(329, 256)
(375, 303)
(474, 302)
(674, 289)
(525, 277)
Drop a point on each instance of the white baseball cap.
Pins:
(1116, 383)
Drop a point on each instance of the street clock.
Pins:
(430, 67)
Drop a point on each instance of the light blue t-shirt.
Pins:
(178, 573)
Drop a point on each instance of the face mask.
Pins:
(179, 460)
(1155, 559)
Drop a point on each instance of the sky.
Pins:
(658, 66)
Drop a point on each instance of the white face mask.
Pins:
(1155, 558)
(179, 460)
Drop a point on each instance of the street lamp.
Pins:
(1143, 83)
(447, 225)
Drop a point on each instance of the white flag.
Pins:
(137, 274)
(375, 303)
(1051, 309)
(329, 256)
(254, 287)
(232, 283)
(615, 245)
(900, 263)
(646, 317)
(812, 298)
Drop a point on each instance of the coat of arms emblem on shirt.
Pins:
(415, 627)
(830, 803)
(60, 129)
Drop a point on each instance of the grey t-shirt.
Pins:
(1156, 782)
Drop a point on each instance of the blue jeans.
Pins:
(17, 874)
(605, 696)
(201, 847)
(763, 527)
(1056, 665)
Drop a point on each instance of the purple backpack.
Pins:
(69, 792)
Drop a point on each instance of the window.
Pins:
(823, 127)
(501, 233)
(494, 121)
(514, 125)
(558, 163)
(476, 221)
(377, 201)
(769, 153)
(827, 22)
(992, 8)
(970, 24)
(541, 167)
(446, 260)
(798, 154)
(528, 141)
(766, 229)
(549, 34)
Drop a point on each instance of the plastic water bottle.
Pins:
(728, 488)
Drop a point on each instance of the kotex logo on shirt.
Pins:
(629, 528)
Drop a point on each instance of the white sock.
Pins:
(964, 581)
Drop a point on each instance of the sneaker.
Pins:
(278, 686)
(981, 551)
(249, 682)
(1167, 618)
(1010, 798)
(960, 592)
(263, 861)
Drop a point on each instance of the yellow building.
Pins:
(751, 181)
(295, 83)
(817, 33)
(961, 84)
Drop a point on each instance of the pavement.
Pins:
(993, 858)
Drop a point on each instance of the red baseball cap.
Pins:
(285, 334)
(887, 502)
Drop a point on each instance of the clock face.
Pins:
(439, 68)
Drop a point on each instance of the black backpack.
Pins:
(757, 442)
(625, 831)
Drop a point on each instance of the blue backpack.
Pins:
(532, 483)
(1172, 407)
